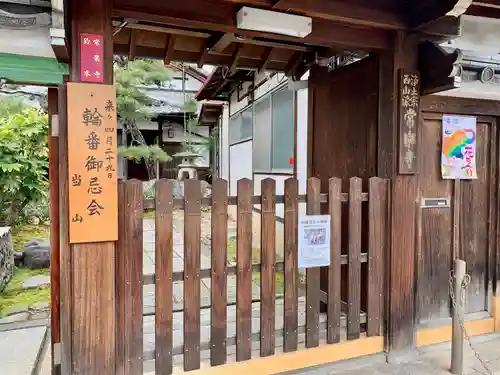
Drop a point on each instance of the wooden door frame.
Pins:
(486, 111)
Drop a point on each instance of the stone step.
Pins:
(20, 350)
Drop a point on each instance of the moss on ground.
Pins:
(15, 298)
(23, 234)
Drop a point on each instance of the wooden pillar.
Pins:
(400, 303)
(55, 322)
(93, 310)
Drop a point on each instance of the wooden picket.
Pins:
(218, 331)
(313, 274)
(244, 277)
(334, 271)
(192, 253)
(354, 268)
(129, 320)
(291, 266)
(163, 282)
(378, 212)
(365, 242)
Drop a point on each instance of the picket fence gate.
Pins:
(352, 299)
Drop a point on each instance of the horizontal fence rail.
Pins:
(149, 204)
(351, 287)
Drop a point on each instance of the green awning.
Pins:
(31, 69)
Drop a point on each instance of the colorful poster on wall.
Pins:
(458, 154)
(92, 141)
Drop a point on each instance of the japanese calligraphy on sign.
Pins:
(91, 51)
(92, 145)
(409, 106)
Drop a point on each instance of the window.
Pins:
(240, 126)
(262, 136)
(273, 145)
(282, 130)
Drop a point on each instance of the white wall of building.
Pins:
(240, 164)
(241, 155)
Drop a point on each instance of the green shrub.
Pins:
(23, 163)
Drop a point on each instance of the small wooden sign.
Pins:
(91, 51)
(92, 145)
(409, 106)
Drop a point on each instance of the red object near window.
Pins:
(292, 161)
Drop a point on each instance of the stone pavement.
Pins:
(178, 291)
(20, 350)
(430, 360)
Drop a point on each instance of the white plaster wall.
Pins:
(31, 42)
(240, 164)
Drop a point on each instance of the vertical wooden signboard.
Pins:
(409, 106)
(93, 195)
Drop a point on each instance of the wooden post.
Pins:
(457, 338)
(93, 313)
(55, 322)
(400, 304)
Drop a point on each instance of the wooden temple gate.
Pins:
(351, 309)
(356, 127)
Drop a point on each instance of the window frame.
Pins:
(269, 96)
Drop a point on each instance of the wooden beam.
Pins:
(293, 63)
(55, 254)
(344, 11)
(169, 48)
(441, 30)
(220, 18)
(235, 58)
(167, 30)
(245, 62)
(266, 57)
(132, 45)
(438, 68)
(420, 15)
(203, 55)
(274, 44)
(219, 43)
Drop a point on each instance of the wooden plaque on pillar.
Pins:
(91, 55)
(93, 194)
(409, 107)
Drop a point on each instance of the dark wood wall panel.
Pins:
(474, 229)
(435, 253)
(344, 114)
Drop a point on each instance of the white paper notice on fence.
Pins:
(458, 154)
(314, 241)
